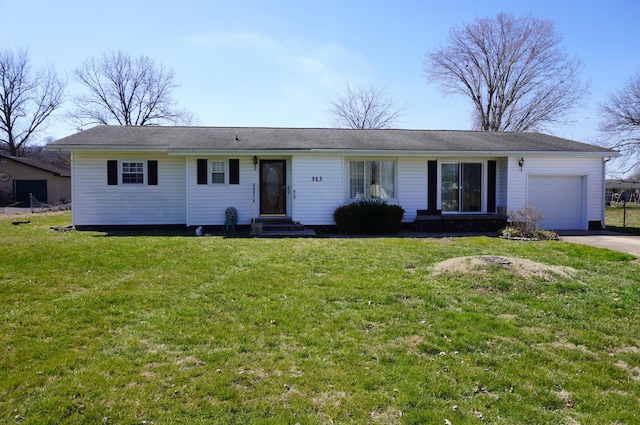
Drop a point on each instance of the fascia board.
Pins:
(399, 153)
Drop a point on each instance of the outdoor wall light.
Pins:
(255, 162)
(521, 163)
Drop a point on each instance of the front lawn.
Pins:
(153, 329)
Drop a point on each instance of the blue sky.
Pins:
(277, 63)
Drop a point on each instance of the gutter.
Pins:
(380, 152)
(343, 152)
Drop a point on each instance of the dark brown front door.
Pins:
(273, 187)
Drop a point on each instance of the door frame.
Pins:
(282, 199)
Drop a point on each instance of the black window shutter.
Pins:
(234, 171)
(202, 171)
(112, 172)
(491, 189)
(432, 185)
(152, 173)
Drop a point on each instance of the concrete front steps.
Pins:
(279, 227)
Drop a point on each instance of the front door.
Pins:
(273, 187)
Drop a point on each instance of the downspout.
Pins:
(187, 197)
(604, 189)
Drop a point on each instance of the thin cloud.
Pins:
(289, 81)
(329, 64)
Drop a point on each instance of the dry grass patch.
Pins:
(525, 268)
(570, 346)
(330, 398)
(632, 371)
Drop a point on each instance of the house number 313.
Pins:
(316, 178)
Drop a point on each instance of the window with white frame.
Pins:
(461, 187)
(217, 172)
(132, 172)
(372, 179)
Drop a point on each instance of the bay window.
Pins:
(372, 179)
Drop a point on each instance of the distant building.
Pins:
(614, 187)
(21, 178)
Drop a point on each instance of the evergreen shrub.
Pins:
(369, 216)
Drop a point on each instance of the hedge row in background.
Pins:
(369, 216)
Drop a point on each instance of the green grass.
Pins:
(615, 220)
(171, 329)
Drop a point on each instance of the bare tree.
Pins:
(621, 120)
(126, 91)
(27, 100)
(364, 107)
(41, 153)
(513, 70)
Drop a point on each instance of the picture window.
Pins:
(372, 179)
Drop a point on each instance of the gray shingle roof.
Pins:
(300, 139)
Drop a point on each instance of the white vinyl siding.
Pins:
(411, 186)
(318, 183)
(318, 188)
(589, 168)
(96, 203)
(206, 204)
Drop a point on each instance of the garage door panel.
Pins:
(23, 189)
(559, 198)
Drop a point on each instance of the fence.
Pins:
(37, 206)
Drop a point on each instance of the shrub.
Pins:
(394, 215)
(348, 218)
(372, 216)
(368, 216)
(545, 235)
(525, 224)
(509, 233)
(525, 220)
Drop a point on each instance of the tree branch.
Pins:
(512, 70)
(126, 91)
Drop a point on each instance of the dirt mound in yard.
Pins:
(526, 268)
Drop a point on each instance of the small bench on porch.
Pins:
(433, 221)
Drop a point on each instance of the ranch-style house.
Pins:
(161, 175)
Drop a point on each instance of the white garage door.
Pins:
(559, 198)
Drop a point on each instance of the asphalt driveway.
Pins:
(611, 240)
